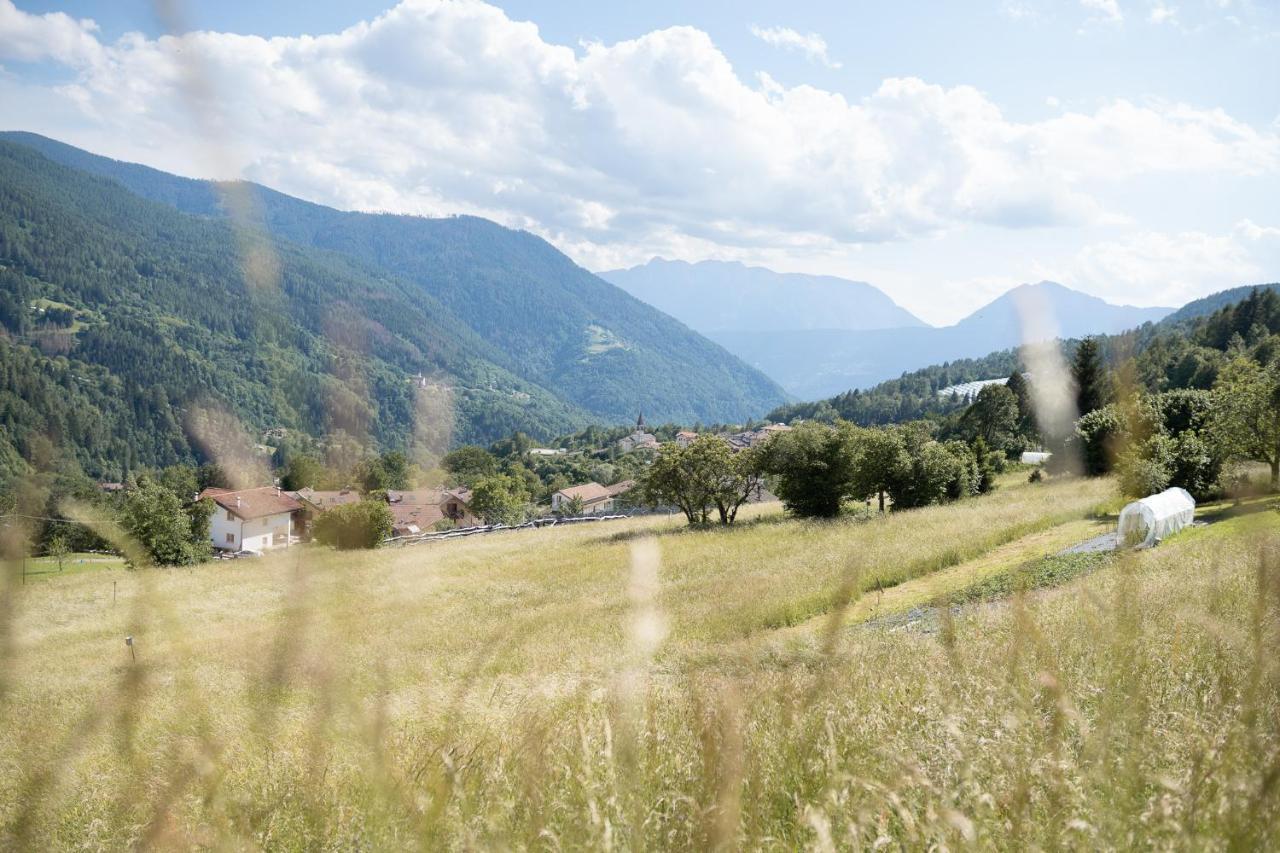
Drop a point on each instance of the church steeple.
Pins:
(640, 423)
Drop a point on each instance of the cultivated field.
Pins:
(636, 685)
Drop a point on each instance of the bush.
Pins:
(351, 526)
(1147, 469)
(813, 468)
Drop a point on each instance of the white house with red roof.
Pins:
(252, 519)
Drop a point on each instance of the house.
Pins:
(111, 488)
(423, 508)
(252, 519)
(640, 439)
(754, 438)
(412, 519)
(315, 503)
(547, 451)
(596, 499)
(685, 437)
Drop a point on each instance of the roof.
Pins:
(326, 499)
(588, 492)
(686, 433)
(422, 515)
(621, 488)
(253, 503)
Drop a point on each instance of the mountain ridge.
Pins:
(821, 363)
(540, 313)
(715, 296)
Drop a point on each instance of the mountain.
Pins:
(543, 318)
(124, 320)
(1207, 305)
(1186, 349)
(718, 296)
(820, 363)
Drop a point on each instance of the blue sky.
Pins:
(942, 151)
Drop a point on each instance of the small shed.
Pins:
(1144, 523)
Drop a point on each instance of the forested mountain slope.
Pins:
(121, 317)
(545, 318)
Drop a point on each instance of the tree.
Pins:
(880, 462)
(388, 471)
(687, 477)
(499, 499)
(469, 463)
(1246, 418)
(301, 472)
(364, 524)
(1021, 391)
(173, 535)
(1089, 377)
(57, 548)
(574, 507)
(993, 416)
(814, 467)
(741, 476)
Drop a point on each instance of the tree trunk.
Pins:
(882, 500)
(1275, 474)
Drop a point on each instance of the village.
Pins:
(250, 521)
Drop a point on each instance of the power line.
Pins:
(62, 520)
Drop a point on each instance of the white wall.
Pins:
(254, 534)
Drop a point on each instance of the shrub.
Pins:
(359, 525)
(813, 468)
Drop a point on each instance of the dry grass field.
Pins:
(636, 685)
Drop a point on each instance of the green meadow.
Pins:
(931, 678)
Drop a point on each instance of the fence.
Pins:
(534, 524)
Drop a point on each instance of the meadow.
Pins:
(637, 685)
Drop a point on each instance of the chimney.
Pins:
(277, 491)
(237, 501)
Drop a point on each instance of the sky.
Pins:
(944, 152)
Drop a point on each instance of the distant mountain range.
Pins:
(719, 296)
(818, 336)
(125, 301)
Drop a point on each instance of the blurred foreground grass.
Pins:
(625, 685)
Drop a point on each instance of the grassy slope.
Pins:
(520, 690)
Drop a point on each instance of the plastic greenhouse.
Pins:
(1144, 523)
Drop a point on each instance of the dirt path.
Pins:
(920, 591)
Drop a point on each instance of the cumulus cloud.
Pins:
(812, 45)
(56, 36)
(1151, 267)
(653, 145)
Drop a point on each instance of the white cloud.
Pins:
(55, 36)
(1162, 14)
(812, 45)
(653, 145)
(1150, 267)
(1107, 10)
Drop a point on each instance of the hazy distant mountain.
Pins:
(718, 296)
(821, 363)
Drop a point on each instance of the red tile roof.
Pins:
(589, 492)
(253, 503)
(423, 516)
(326, 499)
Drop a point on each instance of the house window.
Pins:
(231, 537)
(230, 517)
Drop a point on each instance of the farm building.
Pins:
(596, 499)
(252, 519)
